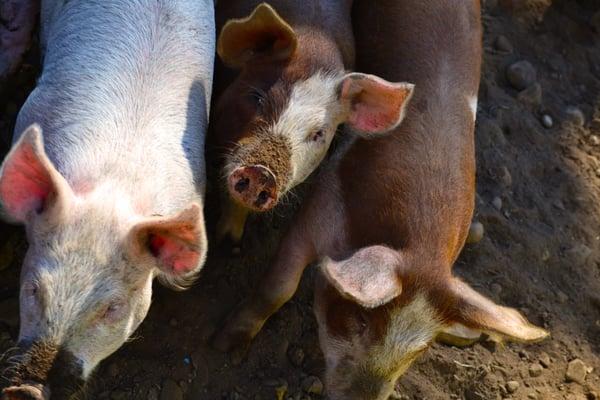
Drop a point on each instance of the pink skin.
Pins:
(254, 186)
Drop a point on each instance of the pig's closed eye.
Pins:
(114, 311)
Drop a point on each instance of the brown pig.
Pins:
(389, 217)
(274, 122)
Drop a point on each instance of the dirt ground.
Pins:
(538, 199)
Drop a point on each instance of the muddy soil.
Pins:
(538, 199)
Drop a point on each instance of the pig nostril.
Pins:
(242, 185)
(263, 197)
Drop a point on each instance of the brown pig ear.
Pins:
(29, 182)
(375, 106)
(177, 244)
(263, 33)
(478, 314)
(369, 277)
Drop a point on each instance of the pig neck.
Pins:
(123, 97)
(427, 197)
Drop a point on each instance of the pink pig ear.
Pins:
(28, 181)
(375, 105)
(177, 244)
(369, 277)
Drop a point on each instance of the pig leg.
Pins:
(232, 222)
(276, 288)
(17, 19)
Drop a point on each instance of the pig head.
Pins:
(275, 122)
(379, 310)
(86, 280)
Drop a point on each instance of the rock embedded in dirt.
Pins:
(532, 96)
(547, 121)
(503, 44)
(521, 75)
(171, 391)
(505, 177)
(545, 360)
(497, 203)
(512, 386)
(594, 140)
(476, 232)
(490, 132)
(535, 370)
(312, 385)
(575, 115)
(576, 371)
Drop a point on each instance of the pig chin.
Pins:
(43, 371)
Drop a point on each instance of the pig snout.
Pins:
(25, 392)
(254, 187)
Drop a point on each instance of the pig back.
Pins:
(418, 181)
(124, 93)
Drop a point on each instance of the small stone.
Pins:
(489, 133)
(575, 115)
(296, 356)
(594, 140)
(476, 232)
(171, 391)
(531, 96)
(503, 44)
(521, 75)
(576, 371)
(505, 177)
(312, 385)
(545, 360)
(547, 121)
(562, 297)
(535, 370)
(496, 288)
(512, 386)
(497, 203)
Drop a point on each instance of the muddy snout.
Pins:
(254, 187)
(25, 392)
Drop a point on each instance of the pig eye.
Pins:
(316, 136)
(114, 311)
(257, 96)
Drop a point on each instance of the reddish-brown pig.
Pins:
(388, 218)
(274, 122)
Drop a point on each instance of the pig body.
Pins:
(275, 119)
(108, 177)
(389, 216)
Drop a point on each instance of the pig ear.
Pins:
(28, 181)
(262, 34)
(369, 277)
(177, 244)
(476, 314)
(375, 105)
